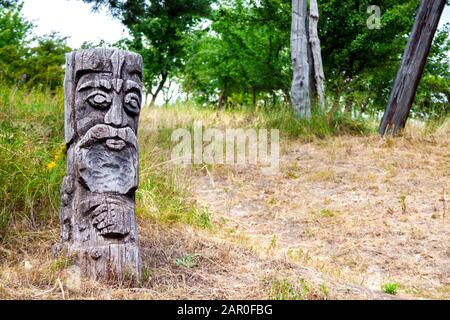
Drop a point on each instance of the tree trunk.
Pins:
(312, 83)
(364, 105)
(314, 41)
(254, 93)
(348, 104)
(334, 107)
(287, 97)
(223, 99)
(98, 222)
(299, 55)
(411, 69)
(158, 89)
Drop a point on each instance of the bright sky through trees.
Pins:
(65, 16)
(73, 18)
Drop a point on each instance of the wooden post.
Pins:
(102, 104)
(411, 69)
(316, 55)
(299, 56)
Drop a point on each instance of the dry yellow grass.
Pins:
(365, 210)
(342, 217)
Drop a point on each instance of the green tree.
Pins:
(361, 63)
(45, 61)
(14, 33)
(157, 31)
(358, 59)
(27, 59)
(433, 94)
(243, 54)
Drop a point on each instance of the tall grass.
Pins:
(32, 165)
(281, 117)
(31, 155)
(319, 126)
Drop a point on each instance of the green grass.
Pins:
(281, 117)
(32, 155)
(188, 261)
(286, 289)
(164, 193)
(390, 288)
(32, 165)
(328, 213)
(32, 160)
(320, 125)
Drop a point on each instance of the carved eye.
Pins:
(99, 99)
(132, 103)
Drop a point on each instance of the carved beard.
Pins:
(108, 160)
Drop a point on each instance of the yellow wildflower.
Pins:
(51, 165)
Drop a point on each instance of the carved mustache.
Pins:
(116, 138)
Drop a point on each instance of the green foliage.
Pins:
(61, 263)
(243, 56)
(361, 64)
(320, 125)
(390, 288)
(157, 31)
(244, 51)
(237, 51)
(285, 289)
(433, 94)
(188, 261)
(32, 157)
(24, 59)
(14, 30)
(358, 62)
(45, 60)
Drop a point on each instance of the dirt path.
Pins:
(362, 211)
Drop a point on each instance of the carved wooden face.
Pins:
(108, 94)
(115, 102)
(106, 106)
(102, 105)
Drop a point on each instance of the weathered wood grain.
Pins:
(316, 63)
(102, 104)
(299, 56)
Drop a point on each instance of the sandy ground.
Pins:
(361, 210)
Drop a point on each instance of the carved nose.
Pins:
(116, 115)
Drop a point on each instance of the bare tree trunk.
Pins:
(158, 89)
(314, 41)
(223, 99)
(364, 105)
(411, 69)
(287, 97)
(312, 83)
(348, 104)
(299, 55)
(168, 95)
(334, 107)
